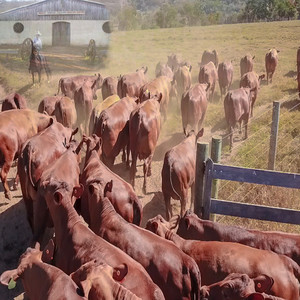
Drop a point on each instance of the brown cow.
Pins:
(246, 64)
(160, 85)
(178, 172)
(40, 280)
(130, 84)
(174, 61)
(17, 126)
(225, 75)
(123, 197)
(68, 85)
(14, 101)
(47, 105)
(83, 98)
(163, 70)
(182, 81)
(208, 56)
(94, 118)
(252, 81)
(216, 260)
(144, 129)
(237, 109)
(109, 87)
(193, 107)
(100, 281)
(193, 228)
(65, 112)
(113, 128)
(208, 74)
(76, 244)
(239, 287)
(32, 162)
(174, 272)
(271, 61)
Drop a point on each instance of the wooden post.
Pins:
(274, 135)
(202, 155)
(216, 149)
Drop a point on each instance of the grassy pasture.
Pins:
(133, 49)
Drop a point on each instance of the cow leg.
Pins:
(168, 206)
(183, 201)
(127, 159)
(16, 182)
(231, 137)
(39, 74)
(240, 127)
(192, 195)
(246, 127)
(3, 175)
(133, 169)
(124, 155)
(32, 75)
(267, 78)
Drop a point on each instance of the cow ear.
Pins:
(278, 51)
(57, 197)
(263, 283)
(120, 272)
(200, 133)
(154, 226)
(190, 68)
(253, 57)
(92, 188)
(48, 252)
(78, 191)
(74, 132)
(146, 69)
(108, 187)
(8, 275)
(159, 97)
(255, 296)
(187, 223)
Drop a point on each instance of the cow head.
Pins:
(158, 225)
(235, 287)
(97, 275)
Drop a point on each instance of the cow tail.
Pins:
(137, 212)
(172, 186)
(195, 281)
(29, 170)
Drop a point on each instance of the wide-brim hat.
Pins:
(38, 33)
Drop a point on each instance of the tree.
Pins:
(128, 18)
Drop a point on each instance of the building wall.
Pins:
(81, 32)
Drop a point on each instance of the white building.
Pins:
(60, 22)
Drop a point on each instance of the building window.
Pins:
(106, 27)
(18, 27)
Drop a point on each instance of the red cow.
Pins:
(113, 128)
(246, 64)
(174, 272)
(17, 126)
(47, 105)
(65, 112)
(225, 75)
(193, 107)
(208, 74)
(237, 109)
(109, 87)
(94, 118)
(83, 98)
(160, 85)
(130, 84)
(76, 244)
(163, 70)
(123, 197)
(182, 81)
(271, 61)
(239, 287)
(178, 172)
(193, 228)
(208, 56)
(102, 282)
(32, 162)
(42, 281)
(216, 260)
(14, 101)
(252, 81)
(68, 85)
(144, 129)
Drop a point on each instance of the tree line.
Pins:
(142, 14)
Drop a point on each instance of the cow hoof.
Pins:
(144, 190)
(8, 196)
(14, 187)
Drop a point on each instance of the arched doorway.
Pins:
(61, 34)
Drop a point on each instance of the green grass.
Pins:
(131, 50)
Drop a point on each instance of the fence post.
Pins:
(201, 156)
(216, 149)
(274, 135)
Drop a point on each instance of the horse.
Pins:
(37, 62)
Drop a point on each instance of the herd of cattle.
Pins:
(99, 250)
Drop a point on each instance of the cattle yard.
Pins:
(132, 50)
